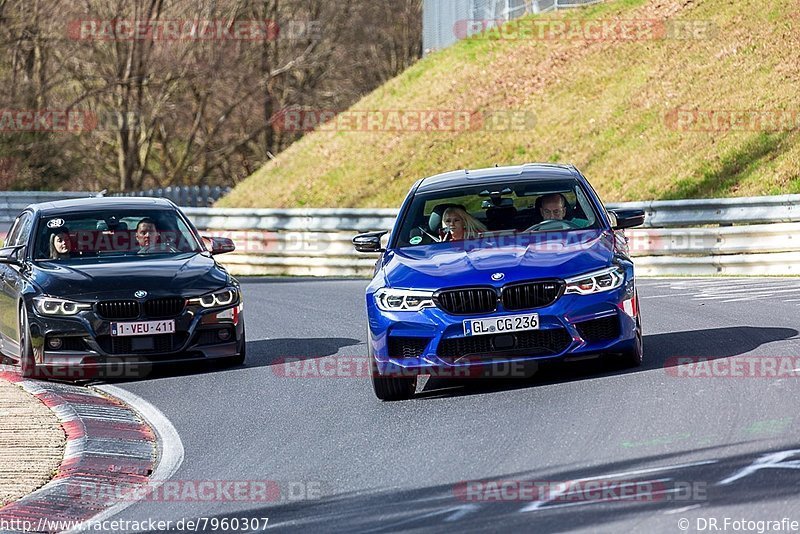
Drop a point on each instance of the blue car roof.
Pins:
(529, 171)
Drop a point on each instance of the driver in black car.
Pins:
(148, 238)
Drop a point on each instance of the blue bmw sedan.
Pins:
(499, 266)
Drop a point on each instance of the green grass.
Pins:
(602, 105)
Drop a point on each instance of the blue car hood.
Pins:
(524, 257)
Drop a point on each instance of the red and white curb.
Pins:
(113, 440)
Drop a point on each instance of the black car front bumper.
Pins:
(84, 341)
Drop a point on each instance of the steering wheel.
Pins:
(553, 224)
(158, 248)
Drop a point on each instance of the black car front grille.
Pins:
(467, 301)
(530, 295)
(118, 309)
(159, 308)
(604, 329)
(164, 307)
(528, 343)
(407, 347)
(141, 344)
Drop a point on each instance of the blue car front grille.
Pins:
(529, 295)
(604, 329)
(407, 347)
(528, 343)
(517, 296)
(467, 301)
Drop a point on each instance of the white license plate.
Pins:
(501, 325)
(143, 328)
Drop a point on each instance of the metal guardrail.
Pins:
(739, 236)
(13, 202)
(183, 195)
(441, 19)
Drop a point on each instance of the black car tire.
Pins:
(242, 356)
(27, 362)
(390, 388)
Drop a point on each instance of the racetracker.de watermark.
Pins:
(197, 491)
(573, 491)
(360, 367)
(47, 120)
(543, 29)
(193, 30)
(725, 120)
(429, 120)
(733, 367)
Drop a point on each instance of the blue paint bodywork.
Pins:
(554, 255)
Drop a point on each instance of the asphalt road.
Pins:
(380, 467)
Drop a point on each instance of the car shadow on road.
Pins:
(276, 351)
(646, 488)
(661, 351)
(260, 353)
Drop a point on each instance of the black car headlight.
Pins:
(389, 299)
(56, 306)
(218, 299)
(595, 282)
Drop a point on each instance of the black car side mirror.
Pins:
(8, 255)
(369, 242)
(621, 219)
(219, 245)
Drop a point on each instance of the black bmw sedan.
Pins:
(100, 283)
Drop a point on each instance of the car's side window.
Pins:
(12, 234)
(20, 231)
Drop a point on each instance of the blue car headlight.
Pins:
(595, 282)
(389, 299)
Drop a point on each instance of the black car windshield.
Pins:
(481, 212)
(107, 233)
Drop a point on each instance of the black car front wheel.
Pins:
(27, 361)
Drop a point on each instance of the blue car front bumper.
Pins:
(573, 327)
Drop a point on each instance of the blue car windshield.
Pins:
(104, 233)
(483, 212)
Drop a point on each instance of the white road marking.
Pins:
(538, 504)
(684, 509)
(170, 457)
(768, 461)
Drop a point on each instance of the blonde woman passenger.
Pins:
(457, 225)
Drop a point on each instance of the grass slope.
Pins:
(602, 105)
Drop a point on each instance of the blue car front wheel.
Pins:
(389, 388)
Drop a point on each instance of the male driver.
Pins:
(146, 234)
(553, 207)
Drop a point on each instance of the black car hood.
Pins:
(188, 274)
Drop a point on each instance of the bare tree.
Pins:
(179, 108)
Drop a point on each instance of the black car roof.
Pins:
(92, 203)
(529, 171)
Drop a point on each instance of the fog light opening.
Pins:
(224, 334)
(54, 343)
